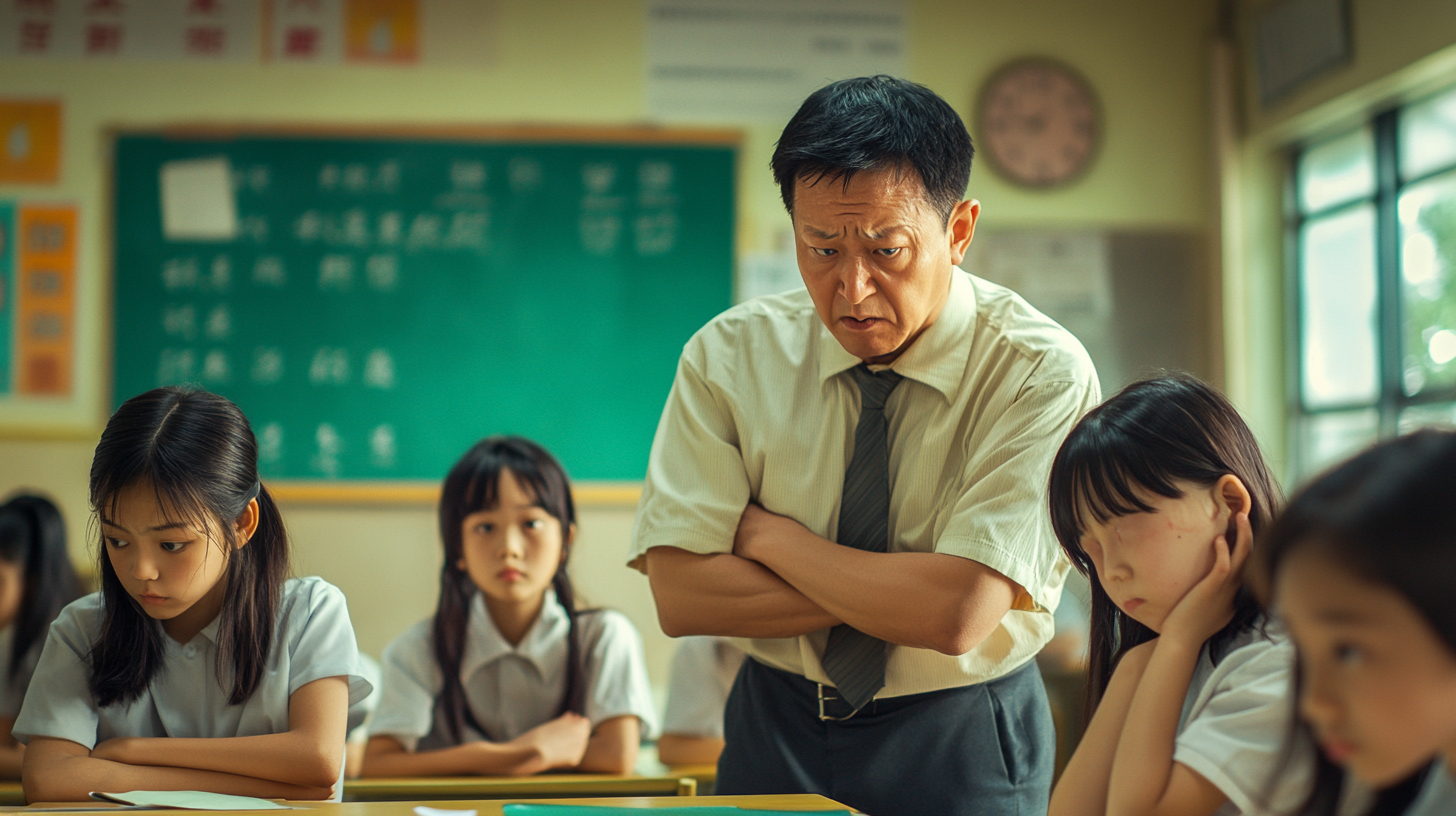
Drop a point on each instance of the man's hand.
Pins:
(758, 527)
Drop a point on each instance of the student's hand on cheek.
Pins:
(1209, 605)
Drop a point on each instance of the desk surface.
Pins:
(11, 793)
(493, 807)
(502, 787)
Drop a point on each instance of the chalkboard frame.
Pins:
(411, 491)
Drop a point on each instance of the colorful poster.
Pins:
(45, 299)
(382, 31)
(211, 30)
(307, 31)
(31, 130)
(7, 291)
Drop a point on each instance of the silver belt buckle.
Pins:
(825, 717)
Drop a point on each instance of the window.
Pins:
(1374, 235)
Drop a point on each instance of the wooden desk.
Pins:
(11, 794)
(493, 807)
(559, 786)
(705, 775)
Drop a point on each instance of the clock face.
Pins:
(1038, 122)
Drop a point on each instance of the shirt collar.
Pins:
(484, 644)
(937, 358)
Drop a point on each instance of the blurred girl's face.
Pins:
(1378, 683)
(511, 551)
(1147, 562)
(12, 590)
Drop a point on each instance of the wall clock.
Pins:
(1038, 122)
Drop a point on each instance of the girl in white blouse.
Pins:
(197, 666)
(508, 677)
(1363, 568)
(36, 582)
(1156, 496)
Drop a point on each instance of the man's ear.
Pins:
(962, 228)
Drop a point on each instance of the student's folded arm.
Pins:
(723, 594)
(1082, 788)
(12, 753)
(59, 770)
(386, 756)
(309, 754)
(683, 749)
(612, 748)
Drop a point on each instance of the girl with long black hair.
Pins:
(36, 581)
(1157, 496)
(199, 665)
(509, 677)
(1362, 566)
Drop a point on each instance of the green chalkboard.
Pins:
(378, 303)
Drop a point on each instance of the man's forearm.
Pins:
(925, 600)
(724, 595)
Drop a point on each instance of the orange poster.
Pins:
(45, 299)
(382, 30)
(30, 152)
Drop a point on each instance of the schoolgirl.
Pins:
(1362, 566)
(1156, 496)
(509, 677)
(199, 665)
(36, 581)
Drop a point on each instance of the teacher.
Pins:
(852, 480)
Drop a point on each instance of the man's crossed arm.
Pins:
(783, 581)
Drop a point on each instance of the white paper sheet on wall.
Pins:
(756, 60)
(197, 200)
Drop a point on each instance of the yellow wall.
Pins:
(1403, 49)
(580, 62)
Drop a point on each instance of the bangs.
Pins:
(478, 477)
(1101, 474)
(177, 498)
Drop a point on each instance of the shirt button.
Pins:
(190, 651)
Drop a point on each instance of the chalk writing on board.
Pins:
(219, 322)
(329, 446)
(215, 367)
(524, 173)
(221, 276)
(268, 271)
(309, 226)
(175, 366)
(254, 228)
(467, 174)
(391, 228)
(382, 272)
(600, 224)
(267, 365)
(330, 366)
(382, 447)
(270, 443)
(468, 230)
(180, 321)
(179, 273)
(336, 273)
(424, 231)
(379, 370)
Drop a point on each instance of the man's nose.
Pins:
(855, 282)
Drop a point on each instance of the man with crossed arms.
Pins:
(851, 479)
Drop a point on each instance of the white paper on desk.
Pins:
(197, 200)
(421, 810)
(190, 800)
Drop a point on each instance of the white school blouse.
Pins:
(763, 410)
(313, 640)
(1234, 724)
(12, 693)
(512, 689)
(703, 671)
(1438, 795)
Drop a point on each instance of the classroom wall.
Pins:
(1402, 50)
(580, 62)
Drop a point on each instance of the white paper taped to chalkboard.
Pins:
(197, 200)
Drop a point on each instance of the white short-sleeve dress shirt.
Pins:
(512, 689)
(12, 692)
(1236, 721)
(703, 671)
(763, 409)
(313, 640)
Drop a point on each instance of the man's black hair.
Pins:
(875, 122)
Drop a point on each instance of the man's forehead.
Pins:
(874, 232)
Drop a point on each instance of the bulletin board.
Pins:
(376, 302)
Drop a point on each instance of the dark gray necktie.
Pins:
(854, 661)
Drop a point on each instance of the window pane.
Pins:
(1428, 285)
(1329, 438)
(1337, 171)
(1416, 417)
(1337, 309)
(1428, 136)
